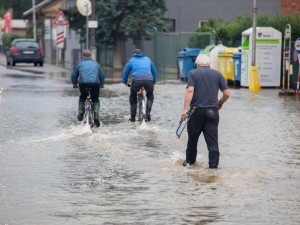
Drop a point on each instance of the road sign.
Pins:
(61, 20)
(287, 32)
(60, 37)
(297, 45)
(93, 24)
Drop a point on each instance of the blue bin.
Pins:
(186, 61)
(237, 67)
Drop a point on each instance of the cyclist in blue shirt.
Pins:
(143, 75)
(88, 74)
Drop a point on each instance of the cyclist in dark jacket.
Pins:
(143, 75)
(88, 74)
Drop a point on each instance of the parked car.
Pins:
(24, 51)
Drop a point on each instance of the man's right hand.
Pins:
(75, 86)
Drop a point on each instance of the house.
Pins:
(47, 12)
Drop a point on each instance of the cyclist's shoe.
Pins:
(96, 123)
(132, 120)
(132, 113)
(80, 111)
(148, 118)
(80, 116)
(148, 110)
(96, 107)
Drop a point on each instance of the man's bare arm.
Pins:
(226, 94)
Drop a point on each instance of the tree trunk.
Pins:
(140, 43)
(118, 54)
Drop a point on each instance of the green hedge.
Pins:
(8, 38)
(232, 30)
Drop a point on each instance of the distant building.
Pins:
(188, 15)
(290, 6)
(18, 26)
(182, 16)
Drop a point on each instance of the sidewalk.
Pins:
(29, 67)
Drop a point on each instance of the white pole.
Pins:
(87, 26)
(33, 18)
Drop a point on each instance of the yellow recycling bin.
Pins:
(226, 63)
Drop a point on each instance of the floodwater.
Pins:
(54, 171)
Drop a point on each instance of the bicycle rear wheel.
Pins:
(140, 112)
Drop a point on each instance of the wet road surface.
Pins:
(54, 171)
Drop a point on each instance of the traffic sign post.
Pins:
(60, 22)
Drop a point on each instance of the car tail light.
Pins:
(14, 50)
(40, 51)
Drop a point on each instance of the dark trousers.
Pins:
(135, 87)
(95, 91)
(206, 120)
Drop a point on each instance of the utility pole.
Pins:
(254, 78)
(93, 31)
(254, 33)
(33, 19)
(87, 25)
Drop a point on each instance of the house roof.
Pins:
(37, 7)
(16, 24)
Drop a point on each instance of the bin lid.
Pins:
(230, 50)
(207, 49)
(189, 52)
(237, 54)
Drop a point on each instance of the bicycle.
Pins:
(141, 112)
(141, 105)
(88, 116)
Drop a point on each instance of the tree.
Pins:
(122, 19)
(18, 6)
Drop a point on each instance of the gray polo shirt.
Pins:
(206, 82)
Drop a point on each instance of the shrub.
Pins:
(230, 32)
(8, 38)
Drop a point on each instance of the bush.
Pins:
(231, 31)
(8, 38)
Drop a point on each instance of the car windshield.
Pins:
(27, 44)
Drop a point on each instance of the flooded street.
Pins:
(54, 171)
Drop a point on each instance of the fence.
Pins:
(167, 45)
(164, 48)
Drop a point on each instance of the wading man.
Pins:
(204, 84)
(88, 74)
(143, 75)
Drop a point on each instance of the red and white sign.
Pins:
(61, 20)
(60, 37)
(8, 19)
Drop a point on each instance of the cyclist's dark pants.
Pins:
(95, 91)
(135, 87)
(205, 120)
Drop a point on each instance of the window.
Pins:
(27, 44)
(202, 22)
(170, 24)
